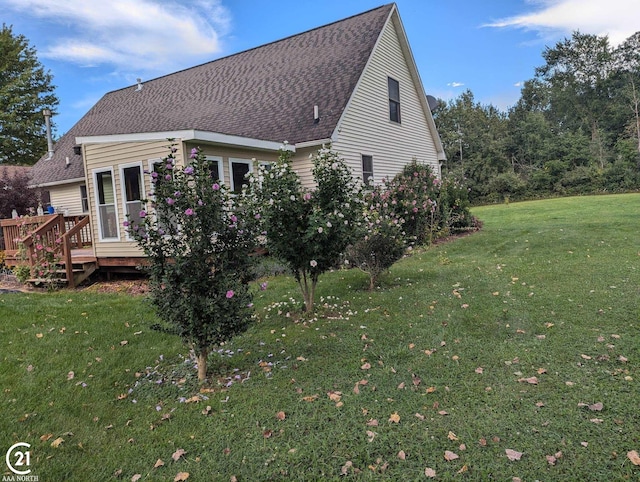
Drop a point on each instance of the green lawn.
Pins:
(505, 340)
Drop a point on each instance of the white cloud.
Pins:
(141, 35)
(616, 18)
(455, 84)
(518, 84)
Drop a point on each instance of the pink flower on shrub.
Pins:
(188, 170)
(194, 153)
(313, 263)
(170, 201)
(307, 196)
(143, 214)
(263, 286)
(230, 294)
(216, 186)
(234, 219)
(126, 224)
(189, 212)
(39, 247)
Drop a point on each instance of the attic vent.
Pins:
(139, 84)
(77, 150)
(316, 114)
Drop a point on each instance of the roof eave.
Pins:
(189, 135)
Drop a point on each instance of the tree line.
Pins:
(574, 130)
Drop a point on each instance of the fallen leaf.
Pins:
(136, 477)
(539, 404)
(462, 447)
(585, 357)
(551, 460)
(159, 463)
(267, 433)
(634, 457)
(623, 359)
(39, 335)
(416, 380)
(181, 476)
(483, 442)
(513, 454)
(596, 407)
(345, 468)
(177, 454)
(464, 469)
(452, 436)
(207, 410)
(56, 443)
(372, 422)
(443, 413)
(366, 366)
(542, 371)
(281, 415)
(429, 472)
(401, 386)
(123, 342)
(402, 455)
(356, 389)
(371, 435)
(419, 416)
(596, 420)
(530, 380)
(449, 455)
(412, 346)
(334, 396)
(584, 444)
(394, 418)
(310, 398)
(479, 370)
(431, 389)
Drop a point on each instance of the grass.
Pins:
(376, 386)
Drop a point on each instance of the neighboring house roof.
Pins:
(8, 172)
(267, 93)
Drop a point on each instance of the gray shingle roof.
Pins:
(265, 93)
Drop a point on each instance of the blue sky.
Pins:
(488, 46)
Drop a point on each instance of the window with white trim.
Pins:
(394, 99)
(367, 169)
(216, 168)
(105, 191)
(238, 170)
(84, 199)
(132, 188)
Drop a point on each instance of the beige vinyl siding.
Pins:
(366, 127)
(66, 197)
(111, 156)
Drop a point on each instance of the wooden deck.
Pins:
(37, 241)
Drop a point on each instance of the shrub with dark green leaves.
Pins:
(197, 237)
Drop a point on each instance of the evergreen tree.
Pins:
(25, 90)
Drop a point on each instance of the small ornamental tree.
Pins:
(197, 237)
(307, 229)
(381, 240)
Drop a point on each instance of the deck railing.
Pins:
(41, 240)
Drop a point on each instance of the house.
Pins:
(352, 83)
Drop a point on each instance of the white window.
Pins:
(132, 188)
(394, 100)
(84, 199)
(105, 189)
(367, 169)
(238, 170)
(216, 168)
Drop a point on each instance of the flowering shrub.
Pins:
(381, 241)
(431, 207)
(308, 230)
(197, 237)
